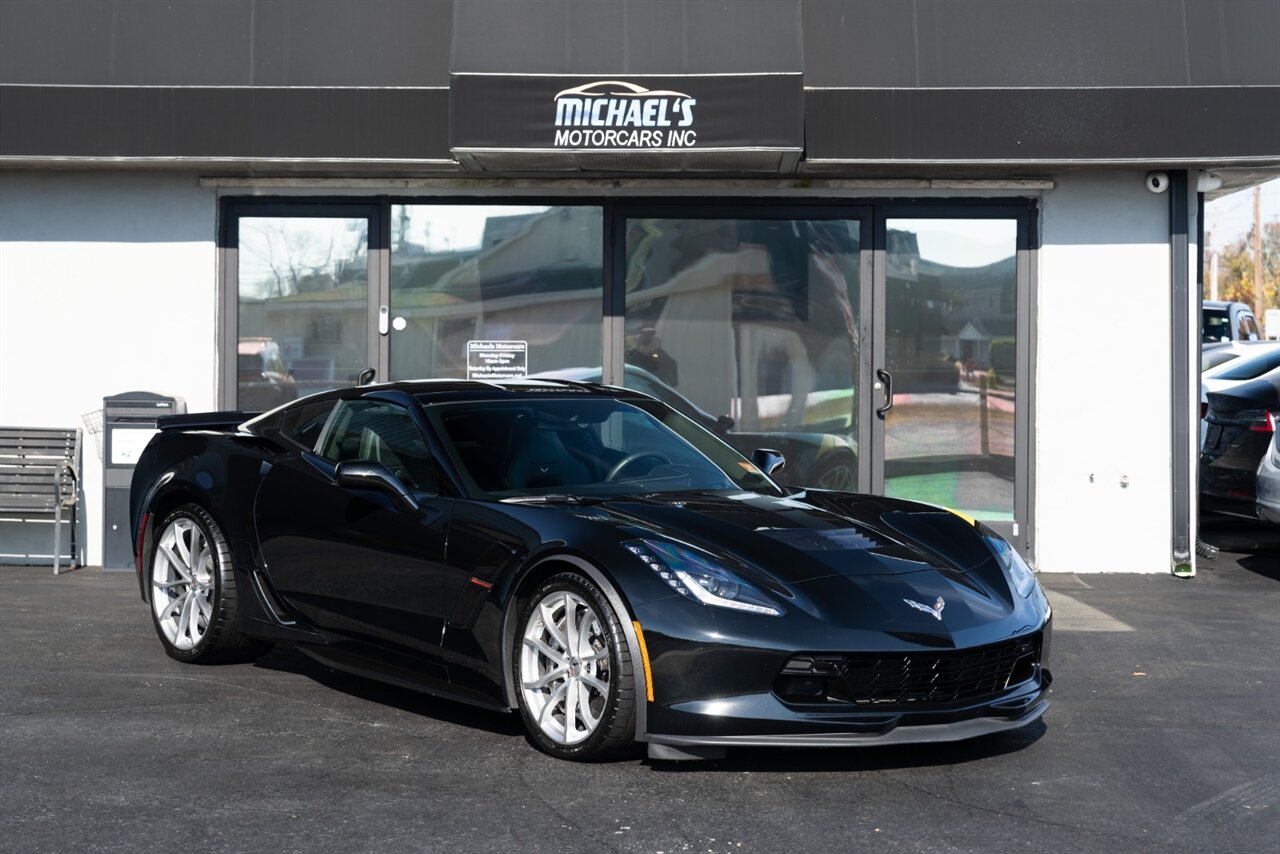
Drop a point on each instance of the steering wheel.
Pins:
(631, 458)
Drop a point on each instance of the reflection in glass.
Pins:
(750, 326)
(951, 346)
(303, 287)
(494, 272)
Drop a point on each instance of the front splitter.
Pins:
(678, 747)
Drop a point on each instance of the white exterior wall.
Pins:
(1103, 377)
(107, 284)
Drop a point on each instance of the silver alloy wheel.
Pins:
(564, 667)
(182, 583)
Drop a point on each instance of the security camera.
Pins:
(1157, 182)
(1207, 182)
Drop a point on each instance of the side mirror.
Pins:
(768, 460)
(375, 477)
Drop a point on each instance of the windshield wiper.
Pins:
(552, 498)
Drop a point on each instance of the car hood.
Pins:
(811, 535)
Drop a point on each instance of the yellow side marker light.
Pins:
(644, 659)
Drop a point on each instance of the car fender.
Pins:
(610, 590)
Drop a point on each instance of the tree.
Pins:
(1235, 270)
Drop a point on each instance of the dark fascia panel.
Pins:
(874, 126)
(1166, 124)
(1059, 44)
(244, 123)
(225, 42)
(622, 37)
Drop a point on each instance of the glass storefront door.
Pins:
(302, 298)
(947, 364)
(753, 326)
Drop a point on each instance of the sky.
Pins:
(1234, 214)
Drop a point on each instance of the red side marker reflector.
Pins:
(1267, 425)
(142, 536)
(479, 583)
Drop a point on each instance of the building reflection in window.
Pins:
(495, 272)
(751, 327)
(303, 285)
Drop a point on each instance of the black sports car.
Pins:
(590, 557)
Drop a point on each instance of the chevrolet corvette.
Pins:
(588, 558)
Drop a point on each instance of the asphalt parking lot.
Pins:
(1164, 735)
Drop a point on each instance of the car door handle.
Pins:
(887, 379)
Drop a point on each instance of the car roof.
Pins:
(1220, 304)
(444, 390)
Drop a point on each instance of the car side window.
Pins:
(303, 424)
(380, 432)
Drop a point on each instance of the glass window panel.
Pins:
(303, 285)
(750, 327)
(529, 273)
(951, 345)
(379, 432)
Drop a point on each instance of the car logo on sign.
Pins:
(936, 610)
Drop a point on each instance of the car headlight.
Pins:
(695, 576)
(1020, 575)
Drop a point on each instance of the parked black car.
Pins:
(1241, 422)
(589, 557)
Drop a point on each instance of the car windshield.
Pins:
(1252, 367)
(586, 447)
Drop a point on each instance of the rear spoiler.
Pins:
(204, 420)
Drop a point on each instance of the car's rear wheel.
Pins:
(573, 671)
(193, 591)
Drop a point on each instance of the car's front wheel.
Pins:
(193, 591)
(573, 671)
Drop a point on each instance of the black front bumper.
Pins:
(717, 688)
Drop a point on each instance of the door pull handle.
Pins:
(886, 378)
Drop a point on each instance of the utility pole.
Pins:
(1259, 307)
(1213, 255)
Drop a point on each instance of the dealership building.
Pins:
(946, 251)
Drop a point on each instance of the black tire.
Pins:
(614, 734)
(213, 595)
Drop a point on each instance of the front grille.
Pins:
(910, 679)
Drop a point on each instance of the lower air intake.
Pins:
(912, 679)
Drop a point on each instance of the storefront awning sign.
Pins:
(641, 123)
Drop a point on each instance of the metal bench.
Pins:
(39, 470)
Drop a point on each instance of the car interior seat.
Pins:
(538, 458)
